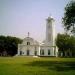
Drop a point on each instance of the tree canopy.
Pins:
(66, 44)
(69, 17)
(9, 45)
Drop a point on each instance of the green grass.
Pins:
(37, 66)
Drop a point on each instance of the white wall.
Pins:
(31, 49)
(46, 48)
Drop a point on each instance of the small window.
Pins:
(35, 52)
(48, 51)
(42, 52)
(55, 51)
(28, 43)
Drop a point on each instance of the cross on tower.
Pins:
(28, 34)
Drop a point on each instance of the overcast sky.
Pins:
(18, 17)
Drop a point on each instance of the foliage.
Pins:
(66, 44)
(69, 17)
(8, 45)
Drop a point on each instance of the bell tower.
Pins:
(50, 34)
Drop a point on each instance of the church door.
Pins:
(27, 52)
(20, 52)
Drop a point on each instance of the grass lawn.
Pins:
(37, 66)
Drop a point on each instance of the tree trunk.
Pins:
(70, 52)
(65, 53)
(61, 54)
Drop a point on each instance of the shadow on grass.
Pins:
(53, 65)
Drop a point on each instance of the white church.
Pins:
(31, 47)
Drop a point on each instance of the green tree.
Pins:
(2, 44)
(71, 45)
(66, 45)
(9, 45)
(69, 17)
(12, 45)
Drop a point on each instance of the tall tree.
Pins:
(69, 17)
(66, 45)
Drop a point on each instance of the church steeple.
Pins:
(49, 29)
(28, 34)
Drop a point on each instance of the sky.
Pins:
(18, 17)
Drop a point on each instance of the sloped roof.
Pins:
(30, 39)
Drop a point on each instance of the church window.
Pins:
(35, 52)
(42, 52)
(48, 51)
(28, 43)
(54, 50)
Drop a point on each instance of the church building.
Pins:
(31, 47)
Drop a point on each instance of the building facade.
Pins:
(31, 47)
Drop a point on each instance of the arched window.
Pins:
(35, 52)
(28, 43)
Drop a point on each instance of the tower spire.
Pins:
(49, 29)
(28, 34)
